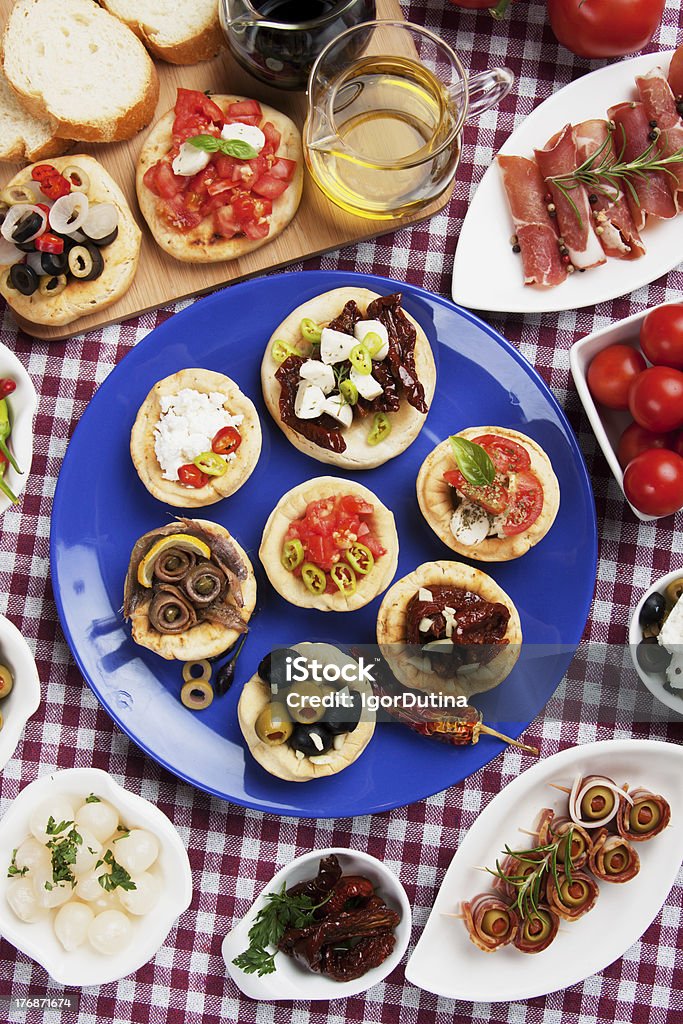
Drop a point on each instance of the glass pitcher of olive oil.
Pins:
(383, 131)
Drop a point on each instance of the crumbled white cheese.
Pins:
(299, 755)
(674, 672)
(438, 647)
(425, 625)
(190, 160)
(339, 740)
(335, 346)
(188, 423)
(316, 740)
(364, 327)
(368, 387)
(320, 759)
(309, 402)
(424, 595)
(671, 633)
(470, 523)
(318, 373)
(338, 409)
(248, 133)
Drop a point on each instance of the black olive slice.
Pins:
(653, 610)
(85, 262)
(23, 279)
(54, 263)
(26, 226)
(302, 739)
(340, 719)
(106, 240)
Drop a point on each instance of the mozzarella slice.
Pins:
(335, 346)
(469, 524)
(367, 386)
(248, 133)
(318, 373)
(309, 401)
(339, 410)
(190, 160)
(364, 327)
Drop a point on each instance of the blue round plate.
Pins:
(101, 508)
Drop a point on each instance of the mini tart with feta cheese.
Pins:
(410, 665)
(307, 377)
(436, 499)
(281, 760)
(240, 465)
(220, 207)
(321, 497)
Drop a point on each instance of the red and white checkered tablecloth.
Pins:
(233, 852)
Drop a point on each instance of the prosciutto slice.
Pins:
(631, 139)
(660, 104)
(560, 157)
(536, 231)
(619, 236)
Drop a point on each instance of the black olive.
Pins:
(85, 262)
(54, 263)
(23, 279)
(273, 668)
(653, 610)
(106, 240)
(652, 657)
(301, 739)
(26, 226)
(340, 719)
(26, 246)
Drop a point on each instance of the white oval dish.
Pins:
(487, 274)
(22, 403)
(447, 963)
(24, 699)
(84, 966)
(291, 981)
(654, 680)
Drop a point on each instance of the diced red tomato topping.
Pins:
(245, 108)
(330, 526)
(255, 230)
(283, 168)
(526, 505)
(273, 138)
(161, 180)
(176, 213)
(269, 186)
(224, 222)
(195, 114)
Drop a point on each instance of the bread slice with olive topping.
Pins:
(177, 33)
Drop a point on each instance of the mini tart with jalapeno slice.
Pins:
(330, 544)
(323, 742)
(196, 438)
(53, 278)
(190, 590)
(499, 521)
(449, 628)
(349, 377)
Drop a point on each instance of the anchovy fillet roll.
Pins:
(537, 931)
(613, 859)
(491, 923)
(204, 583)
(642, 816)
(573, 897)
(172, 566)
(170, 611)
(552, 827)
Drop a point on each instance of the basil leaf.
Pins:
(473, 462)
(238, 148)
(208, 143)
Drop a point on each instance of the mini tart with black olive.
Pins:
(412, 663)
(239, 466)
(436, 499)
(81, 297)
(280, 758)
(369, 575)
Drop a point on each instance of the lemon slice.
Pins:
(177, 540)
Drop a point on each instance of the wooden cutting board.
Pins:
(318, 227)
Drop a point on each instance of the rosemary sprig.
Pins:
(530, 887)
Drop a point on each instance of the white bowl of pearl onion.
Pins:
(92, 877)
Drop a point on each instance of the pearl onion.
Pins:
(71, 924)
(110, 932)
(32, 855)
(137, 851)
(48, 893)
(89, 852)
(21, 897)
(89, 889)
(144, 897)
(100, 818)
(58, 807)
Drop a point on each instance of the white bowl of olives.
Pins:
(19, 688)
(92, 877)
(656, 640)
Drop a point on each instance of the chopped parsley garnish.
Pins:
(92, 799)
(63, 850)
(118, 877)
(13, 870)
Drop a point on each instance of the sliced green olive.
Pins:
(537, 928)
(645, 816)
(77, 178)
(616, 860)
(197, 671)
(574, 893)
(597, 802)
(495, 923)
(273, 725)
(15, 194)
(52, 284)
(6, 681)
(578, 847)
(196, 695)
(304, 701)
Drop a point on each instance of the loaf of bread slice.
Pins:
(73, 62)
(24, 138)
(180, 33)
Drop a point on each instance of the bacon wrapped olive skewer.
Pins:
(491, 923)
(537, 930)
(514, 867)
(642, 815)
(612, 858)
(573, 897)
(552, 827)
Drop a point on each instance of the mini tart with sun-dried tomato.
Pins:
(330, 544)
(498, 522)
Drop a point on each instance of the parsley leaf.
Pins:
(63, 850)
(13, 870)
(92, 799)
(118, 878)
(280, 912)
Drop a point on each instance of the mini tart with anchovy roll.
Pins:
(190, 590)
(188, 415)
(498, 522)
(449, 628)
(277, 741)
(349, 377)
(330, 544)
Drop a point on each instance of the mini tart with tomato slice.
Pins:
(330, 544)
(190, 590)
(196, 438)
(348, 377)
(449, 628)
(204, 205)
(498, 522)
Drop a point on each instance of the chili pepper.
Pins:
(47, 242)
(310, 330)
(191, 476)
(344, 577)
(373, 342)
(42, 172)
(281, 350)
(349, 392)
(292, 554)
(360, 558)
(226, 441)
(5, 430)
(45, 208)
(7, 386)
(226, 673)
(211, 464)
(314, 579)
(4, 487)
(52, 183)
(360, 359)
(380, 430)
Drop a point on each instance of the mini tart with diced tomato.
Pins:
(500, 521)
(330, 544)
(203, 207)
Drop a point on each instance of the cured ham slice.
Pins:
(535, 229)
(660, 104)
(631, 139)
(619, 236)
(560, 157)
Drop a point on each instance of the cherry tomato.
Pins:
(526, 505)
(226, 441)
(605, 28)
(611, 373)
(506, 455)
(656, 399)
(636, 440)
(191, 476)
(676, 444)
(661, 336)
(7, 386)
(492, 498)
(653, 482)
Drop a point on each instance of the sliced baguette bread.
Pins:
(24, 137)
(180, 33)
(73, 62)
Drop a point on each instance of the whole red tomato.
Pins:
(611, 373)
(656, 399)
(653, 482)
(636, 440)
(605, 28)
(661, 336)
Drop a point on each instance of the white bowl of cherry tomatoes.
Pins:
(630, 380)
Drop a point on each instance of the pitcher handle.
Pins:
(485, 89)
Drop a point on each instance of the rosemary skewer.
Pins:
(530, 886)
